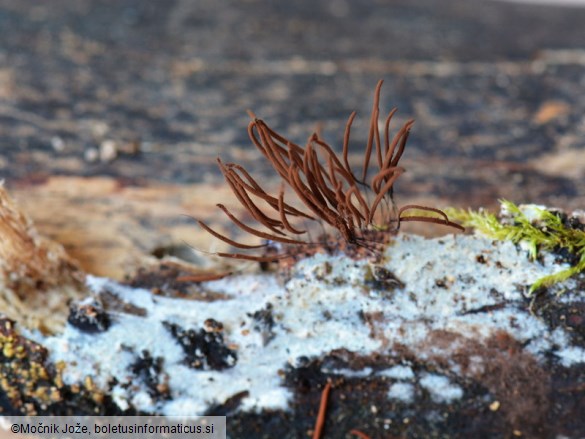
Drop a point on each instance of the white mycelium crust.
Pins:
(319, 309)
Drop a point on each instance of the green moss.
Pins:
(543, 231)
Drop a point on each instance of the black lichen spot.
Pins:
(149, 370)
(204, 349)
(90, 318)
(441, 283)
(481, 259)
(380, 278)
(212, 325)
(264, 323)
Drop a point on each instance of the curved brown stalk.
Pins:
(392, 159)
(355, 191)
(260, 193)
(273, 155)
(309, 176)
(382, 175)
(355, 213)
(257, 214)
(348, 176)
(427, 219)
(373, 128)
(226, 239)
(239, 189)
(283, 217)
(387, 131)
(255, 232)
(256, 190)
(306, 197)
(383, 192)
(425, 208)
(346, 144)
(321, 178)
(297, 149)
(334, 181)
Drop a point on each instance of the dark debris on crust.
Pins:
(164, 280)
(161, 280)
(570, 221)
(564, 255)
(88, 318)
(567, 314)
(381, 279)
(112, 302)
(149, 371)
(264, 323)
(229, 406)
(204, 348)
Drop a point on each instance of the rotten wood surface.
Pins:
(112, 115)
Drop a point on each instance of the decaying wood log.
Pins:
(37, 277)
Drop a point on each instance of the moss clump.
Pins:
(535, 227)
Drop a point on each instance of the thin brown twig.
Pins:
(244, 256)
(359, 434)
(320, 423)
(203, 277)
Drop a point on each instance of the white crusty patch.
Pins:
(319, 309)
(440, 388)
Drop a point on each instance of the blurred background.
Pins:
(112, 114)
